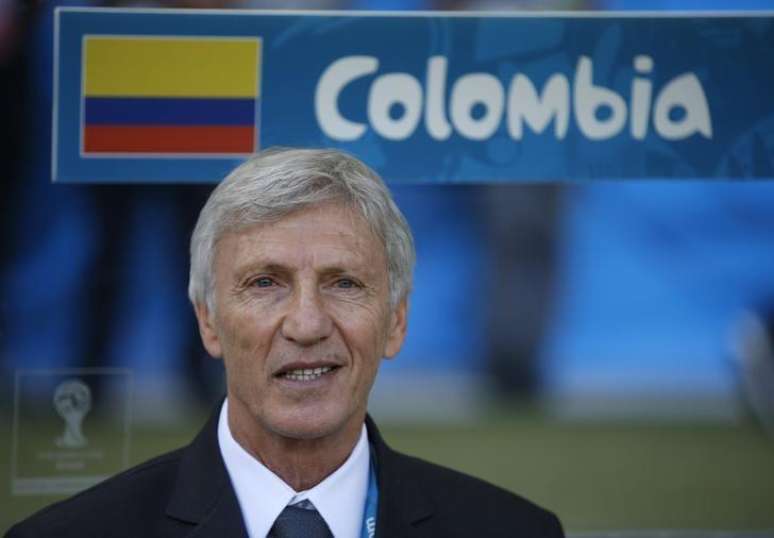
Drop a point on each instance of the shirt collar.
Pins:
(262, 495)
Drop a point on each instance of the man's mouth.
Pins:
(307, 374)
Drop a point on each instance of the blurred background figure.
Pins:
(13, 24)
(754, 344)
(521, 227)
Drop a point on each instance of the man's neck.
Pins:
(300, 463)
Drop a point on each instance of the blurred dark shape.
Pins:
(521, 225)
(15, 21)
(128, 261)
(755, 355)
(14, 24)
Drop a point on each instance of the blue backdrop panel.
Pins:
(469, 98)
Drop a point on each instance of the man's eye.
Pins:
(263, 282)
(346, 283)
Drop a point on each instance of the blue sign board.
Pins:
(166, 96)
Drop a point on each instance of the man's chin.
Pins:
(311, 425)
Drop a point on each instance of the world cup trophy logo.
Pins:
(72, 400)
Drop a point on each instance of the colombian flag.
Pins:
(170, 95)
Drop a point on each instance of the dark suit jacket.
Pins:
(188, 493)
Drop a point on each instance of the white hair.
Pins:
(276, 182)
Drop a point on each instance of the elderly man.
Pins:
(301, 266)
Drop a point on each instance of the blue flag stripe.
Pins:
(168, 111)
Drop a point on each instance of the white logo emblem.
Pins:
(72, 400)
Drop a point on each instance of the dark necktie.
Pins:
(297, 522)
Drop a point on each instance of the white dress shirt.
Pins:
(262, 495)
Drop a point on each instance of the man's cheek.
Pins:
(242, 336)
(358, 318)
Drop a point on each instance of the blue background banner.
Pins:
(435, 98)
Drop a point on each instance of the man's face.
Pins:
(302, 319)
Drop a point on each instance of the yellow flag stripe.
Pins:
(171, 67)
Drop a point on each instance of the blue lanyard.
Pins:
(372, 501)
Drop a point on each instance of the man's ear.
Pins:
(397, 331)
(207, 330)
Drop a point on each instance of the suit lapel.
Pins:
(403, 504)
(225, 519)
(203, 496)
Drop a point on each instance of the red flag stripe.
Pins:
(168, 139)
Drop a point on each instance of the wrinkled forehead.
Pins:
(326, 235)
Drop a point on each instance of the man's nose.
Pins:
(307, 322)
